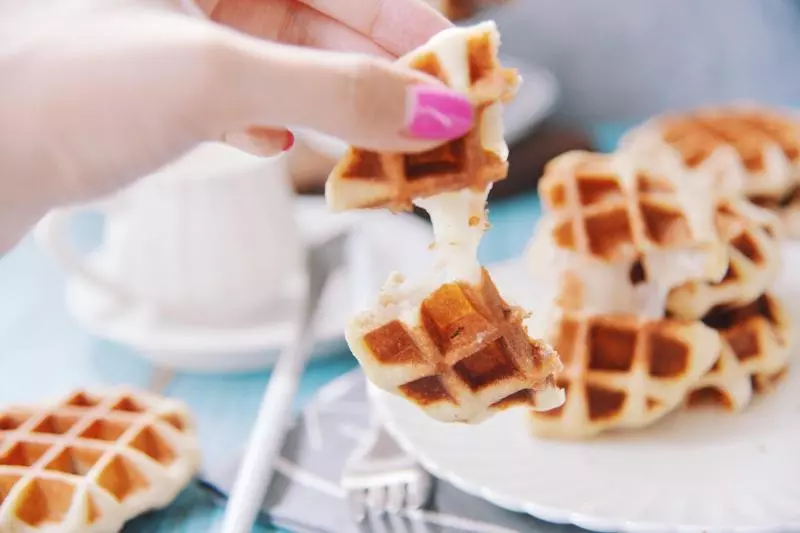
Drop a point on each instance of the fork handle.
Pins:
(264, 446)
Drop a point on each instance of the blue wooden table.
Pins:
(43, 352)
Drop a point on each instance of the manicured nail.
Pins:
(437, 113)
(289, 141)
(260, 141)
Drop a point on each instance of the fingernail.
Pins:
(261, 142)
(437, 113)
(289, 141)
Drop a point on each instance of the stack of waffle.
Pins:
(450, 343)
(754, 150)
(659, 293)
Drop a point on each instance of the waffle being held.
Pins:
(449, 343)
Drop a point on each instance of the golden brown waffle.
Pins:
(615, 239)
(92, 461)
(621, 371)
(751, 234)
(787, 207)
(365, 179)
(605, 208)
(726, 384)
(459, 351)
(760, 336)
(753, 150)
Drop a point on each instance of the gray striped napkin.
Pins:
(305, 495)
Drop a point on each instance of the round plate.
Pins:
(235, 349)
(702, 470)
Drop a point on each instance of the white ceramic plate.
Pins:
(534, 102)
(247, 348)
(697, 471)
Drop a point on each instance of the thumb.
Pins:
(366, 101)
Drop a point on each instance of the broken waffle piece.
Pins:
(465, 59)
(622, 371)
(751, 234)
(757, 338)
(753, 151)
(92, 461)
(457, 351)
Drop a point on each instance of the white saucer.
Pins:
(699, 470)
(190, 348)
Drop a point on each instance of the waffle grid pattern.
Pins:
(455, 348)
(759, 337)
(623, 372)
(93, 461)
(753, 151)
(754, 259)
(366, 179)
(611, 213)
(469, 351)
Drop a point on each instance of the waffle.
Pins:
(622, 371)
(753, 150)
(607, 209)
(576, 282)
(754, 259)
(616, 240)
(787, 207)
(92, 461)
(459, 351)
(759, 336)
(465, 59)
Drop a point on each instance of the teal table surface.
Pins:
(44, 353)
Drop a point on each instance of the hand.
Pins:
(97, 93)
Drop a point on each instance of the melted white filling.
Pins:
(459, 221)
(606, 287)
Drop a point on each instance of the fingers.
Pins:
(397, 26)
(368, 102)
(261, 141)
(292, 22)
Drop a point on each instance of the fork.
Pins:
(264, 446)
(380, 478)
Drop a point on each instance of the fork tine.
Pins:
(395, 497)
(417, 494)
(399, 524)
(356, 500)
(377, 522)
(376, 499)
(418, 525)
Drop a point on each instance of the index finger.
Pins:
(397, 26)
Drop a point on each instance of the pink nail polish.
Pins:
(437, 113)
